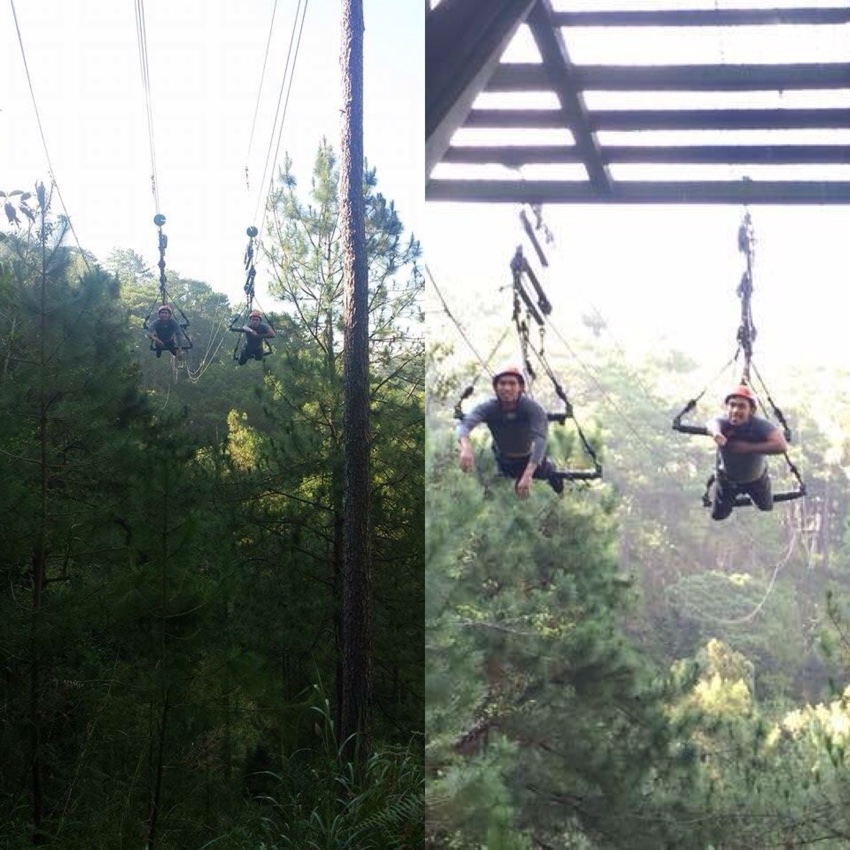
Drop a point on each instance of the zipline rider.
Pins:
(165, 332)
(743, 439)
(256, 332)
(519, 426)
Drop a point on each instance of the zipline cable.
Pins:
(460, 330)
(289, 71)
(142, 39)
(52, 174)
(259, 94)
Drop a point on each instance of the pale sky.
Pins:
(661, 277)
(664, 276)
(205, 62)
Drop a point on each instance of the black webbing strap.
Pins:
(746, 330)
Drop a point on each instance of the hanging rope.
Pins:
(214, 344)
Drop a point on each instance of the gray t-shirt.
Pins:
(740, 467)
(520, 432)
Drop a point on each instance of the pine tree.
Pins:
(525, 653)
(305, 429)
(67, 396)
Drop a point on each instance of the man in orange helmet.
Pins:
(519, 426)
(255, 332)
(743, 439)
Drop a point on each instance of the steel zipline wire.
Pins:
(52, 173)
(142, 39)
(280, 114)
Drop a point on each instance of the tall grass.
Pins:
(323, 802)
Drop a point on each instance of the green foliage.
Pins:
(319, 801)
(552, 719)
(167, 565)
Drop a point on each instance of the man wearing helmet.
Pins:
(743, 439)
(519, 426)
(255, 332)
(165, 332)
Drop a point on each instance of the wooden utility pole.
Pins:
(357, 567)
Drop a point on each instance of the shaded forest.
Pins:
(170, 632)
(613, 669)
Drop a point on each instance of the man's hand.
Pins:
(523, 486)
(719, 439)
(467, 460)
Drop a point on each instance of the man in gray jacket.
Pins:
(519, 427)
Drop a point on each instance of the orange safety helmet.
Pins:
(742, 391)
(510, 370)
(255, 314)
(165, 307)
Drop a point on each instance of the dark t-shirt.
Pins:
(254, 343)
(743, 468)
(517, 433)
(166, 330)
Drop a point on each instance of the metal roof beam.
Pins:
(666, 119)
(641, 192)
(529, 76)
(721, 119)
(465, 40)
(515, 156)
(704, 17)
(559, 69)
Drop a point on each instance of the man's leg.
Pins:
(546, 472)
(761, 492)
(723, 494)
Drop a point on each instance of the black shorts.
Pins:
(725, 491)
(513, 467)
